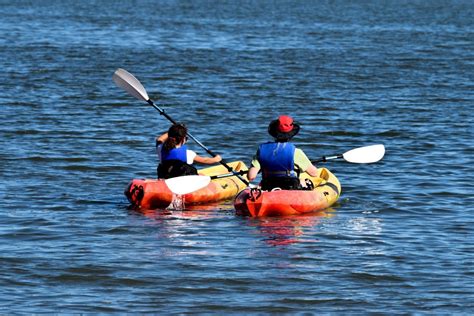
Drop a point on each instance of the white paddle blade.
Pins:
(187, 184)
(129, 83)
(366, 154)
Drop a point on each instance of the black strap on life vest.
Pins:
(174, 168)
(284, 183)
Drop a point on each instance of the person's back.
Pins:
(175, 159)
(173, 154)
(280, 161)
(277, 163)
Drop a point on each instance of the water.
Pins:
(400, 240)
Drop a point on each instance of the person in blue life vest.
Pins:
(280, 161)
(175, 159)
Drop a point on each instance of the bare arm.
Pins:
(312, 171)
(162, 138)
(252, 173)
(207, 160)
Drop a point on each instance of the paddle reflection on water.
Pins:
(280, 231)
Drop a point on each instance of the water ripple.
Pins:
(71, 141)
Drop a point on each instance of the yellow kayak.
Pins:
(154, 193)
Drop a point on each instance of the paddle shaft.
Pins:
(129, 83)
(230, 174)
(162, 112)
(187, 184)
(324, 158)
(229, 168)
(191, 183)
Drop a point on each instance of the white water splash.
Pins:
(177, 203)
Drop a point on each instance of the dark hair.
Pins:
(176, 134)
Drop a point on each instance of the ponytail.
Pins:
(170, 143)
(176, 135)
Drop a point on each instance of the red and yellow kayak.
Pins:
(154, 193)
(257, 203)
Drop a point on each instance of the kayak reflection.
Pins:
(278, 231)
(188, 211)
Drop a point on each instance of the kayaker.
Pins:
(175, 159)
(280, 161)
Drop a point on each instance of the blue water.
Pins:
(399, 241)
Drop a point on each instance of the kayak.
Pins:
(257, 203)
(154, 193)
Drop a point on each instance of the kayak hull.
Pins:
(155, 194)
(257, 203)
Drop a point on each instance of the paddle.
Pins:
(129, 83)
(367, 154)
(188, 184)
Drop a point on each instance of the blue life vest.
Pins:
(174, 154)
(277, 159)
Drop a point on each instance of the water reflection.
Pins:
(365, 226)
(194, 212)
(366, 238)
(179, 210)
(280, 231)
(276, 231)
